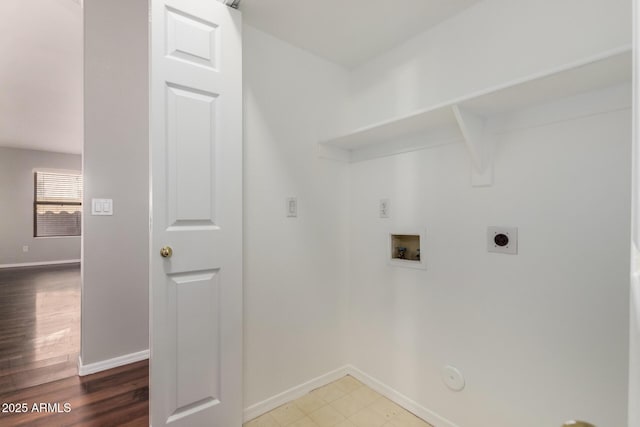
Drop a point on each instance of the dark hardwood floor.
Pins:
(39, 345)
(39, 325)
(117, 397)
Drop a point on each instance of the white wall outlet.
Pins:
(292, 207)
(502, 240)
(25, 248)
(385, 206)
(101, 206)
(453, 378)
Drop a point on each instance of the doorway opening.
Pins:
(41, 190)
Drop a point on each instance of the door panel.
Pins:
(196, 175)
(191, 39)
(191, 126)
(197, 303)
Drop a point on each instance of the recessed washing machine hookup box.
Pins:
(406, 249)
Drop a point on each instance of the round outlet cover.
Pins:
(453, 378)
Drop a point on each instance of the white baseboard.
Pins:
(399, 398)
(103, 365)
(293, 393)
(296, 392)
(34, 264)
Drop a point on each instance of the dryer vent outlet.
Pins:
(503, 240)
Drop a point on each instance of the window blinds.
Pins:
(57, 204)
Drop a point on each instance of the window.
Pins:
(57, 208)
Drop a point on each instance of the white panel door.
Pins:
(196, 199)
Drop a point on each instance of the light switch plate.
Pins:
(502, 240)
(101, 206)
(292, 207)
(385, 205)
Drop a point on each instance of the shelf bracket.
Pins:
(479, 143)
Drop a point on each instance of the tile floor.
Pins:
(343, 403)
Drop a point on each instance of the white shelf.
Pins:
(463, 119)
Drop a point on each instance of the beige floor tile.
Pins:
(265, 420)
(344, 403)
(366, 394)
(348, 405)
(309, 403)
(368, 418)
(304, 422)
(329, 393)
(348, 384)
(387, 408)
(326, 417)
(287, 414)
(407, 419)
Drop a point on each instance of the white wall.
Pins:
(634, 345)
(490, 43)
(295, 269)
(16, 207)
(542, 337)
(634, 318)
(115, 297)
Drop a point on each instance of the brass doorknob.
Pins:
(166, 252)
(577, 424)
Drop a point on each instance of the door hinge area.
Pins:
(233, 3)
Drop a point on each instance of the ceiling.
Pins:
(348, 32)
(41, 75)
